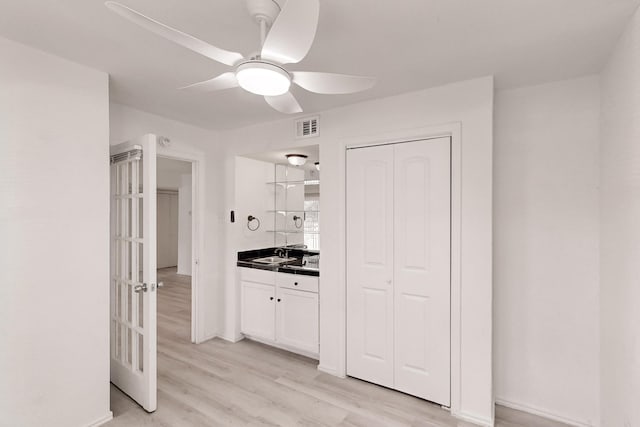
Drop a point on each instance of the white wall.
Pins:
(167, 229)
(127, 123)
(184, 225)
(169, 173)
(620, 232)
(253, 197)
(546, 287)
(54, 223)
(471, 105)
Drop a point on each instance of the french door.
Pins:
(398, 266)
(133, 270)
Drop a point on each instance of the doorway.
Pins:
(174, 181)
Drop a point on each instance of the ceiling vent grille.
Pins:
(308, 128)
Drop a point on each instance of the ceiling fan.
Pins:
(286, 36)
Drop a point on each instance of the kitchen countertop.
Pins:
(306, 263)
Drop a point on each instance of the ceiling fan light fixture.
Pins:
(263, 78)
(296, 159)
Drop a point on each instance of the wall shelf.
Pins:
(289, 186)
(286, 211)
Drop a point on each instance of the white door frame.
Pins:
(454, 131)
(197, 209)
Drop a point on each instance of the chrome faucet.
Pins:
(282, 252)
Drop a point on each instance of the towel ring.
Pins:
(250, 219)
(295, 221)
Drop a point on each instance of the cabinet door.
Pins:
(258, 310)
(370, 264)
(297, 319)
(422, 268)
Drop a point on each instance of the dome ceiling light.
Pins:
(263, 78)
(296, 159)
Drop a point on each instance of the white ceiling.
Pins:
(280, 156)
(407, 44)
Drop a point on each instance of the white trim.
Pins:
(330, 371)
(200, 340)
(276, 344)
(231, 339)
(541, 413)
(454, 131)
(481, 421)
(197, 245)
(100, 421)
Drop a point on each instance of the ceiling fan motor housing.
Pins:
(263, 10)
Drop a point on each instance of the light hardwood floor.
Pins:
(218, 383)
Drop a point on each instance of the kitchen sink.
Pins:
(273, 260)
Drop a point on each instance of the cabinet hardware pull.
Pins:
(271, 298)
(279, 300)
(295, 284)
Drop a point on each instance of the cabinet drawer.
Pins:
(296, 281)
(257, 276)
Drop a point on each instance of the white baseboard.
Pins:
(305, 353)
(231, 339)
(542, 413)
(481, 421)
(102, 420)
(200, 340)
(330, 371)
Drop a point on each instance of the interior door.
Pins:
(133, 269)
(422, 187)
(370, 264)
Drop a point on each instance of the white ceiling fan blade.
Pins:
(223, 81)
(176, 36)
(329, 83)
(292, 33)
(286, 103)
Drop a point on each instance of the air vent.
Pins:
(308, 128)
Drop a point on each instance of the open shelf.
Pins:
(283, 183)
(287, 211)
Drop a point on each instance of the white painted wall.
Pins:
(253, 197)
(546, 272)
(54, 258)
(620, 232)
(167, 229)
(469, 103)
(169, 173)
(127, 123)
(184, 225)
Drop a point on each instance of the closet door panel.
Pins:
(370, 264)
(422, 187)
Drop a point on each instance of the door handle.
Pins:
(140, 288)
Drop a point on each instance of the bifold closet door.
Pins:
(370, 264)
(398, 267)
(422, 242)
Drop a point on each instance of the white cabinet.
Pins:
(297, 319)
(398, 275)
(258, 303)
(280, 309)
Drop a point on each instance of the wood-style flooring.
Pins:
(218, 383)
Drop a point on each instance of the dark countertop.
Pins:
(306, 262)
